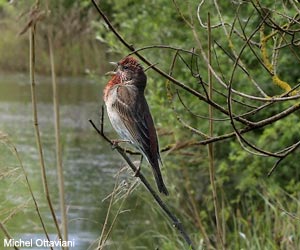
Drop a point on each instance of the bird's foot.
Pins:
(116, 142)
(137, 171)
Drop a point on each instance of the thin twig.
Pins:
(170, 78)
(210, 146)
(102, 238)
(6, 233)
(15, 151)
(176, 223)
(116, 215)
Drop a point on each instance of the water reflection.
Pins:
(88, 165)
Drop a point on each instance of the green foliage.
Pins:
(256, 212)
(250, 211)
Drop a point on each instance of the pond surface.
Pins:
(89, 164)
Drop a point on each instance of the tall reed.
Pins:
(60, 174)
(32, 57)
(210, 145)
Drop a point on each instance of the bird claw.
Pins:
(137, 171)
(116, 142)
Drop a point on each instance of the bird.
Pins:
(129, 113)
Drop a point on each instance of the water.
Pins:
(89, 164)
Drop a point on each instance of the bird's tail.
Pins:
(159, 180)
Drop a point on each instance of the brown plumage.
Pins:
(129, 113)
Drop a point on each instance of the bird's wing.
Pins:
(134, 113)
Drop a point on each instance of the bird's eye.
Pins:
(125, 67)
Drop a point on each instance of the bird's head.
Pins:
(129, 71)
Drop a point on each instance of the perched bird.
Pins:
(129, 113)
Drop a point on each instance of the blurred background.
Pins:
(89, 165)
(256, 212)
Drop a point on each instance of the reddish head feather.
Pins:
(129, 60)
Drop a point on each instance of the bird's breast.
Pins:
(114, 116)
(111, 86)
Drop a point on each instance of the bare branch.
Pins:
(176, 223)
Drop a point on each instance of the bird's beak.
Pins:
(112, 73)
(114, 63)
